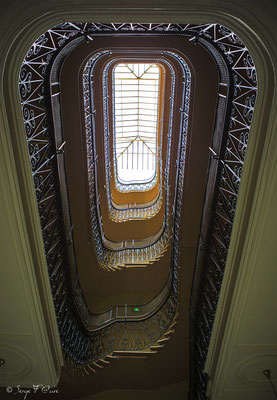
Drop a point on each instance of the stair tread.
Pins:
(157, 347)
(163, 340)
(133, 354)
(168, 333)
(104, 361)
(97, 365)
(110, 357)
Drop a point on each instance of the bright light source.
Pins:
(136, 98)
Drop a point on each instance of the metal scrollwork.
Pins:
(148, 254)
(79, 346)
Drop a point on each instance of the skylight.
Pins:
(136, 98)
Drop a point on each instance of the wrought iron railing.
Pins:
(225, 172)
(108, 258)
(226, 162)
(46, 153)
(135, 212)
(147, 254)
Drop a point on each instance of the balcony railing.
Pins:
(227, 157)
(108, 258)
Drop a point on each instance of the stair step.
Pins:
(174, 323)
(163, 340)
(169, 333)
(133, 354)
(157, 347)
(86, 371)
(90, 368)
(104, 362)
(110, 358)
(97, 365)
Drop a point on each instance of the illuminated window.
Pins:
(136, 102)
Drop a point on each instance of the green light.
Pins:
(136, 309)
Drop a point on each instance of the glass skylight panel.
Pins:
(136, 98)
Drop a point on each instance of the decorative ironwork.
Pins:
(134, 212)
(134, 335)
(110, 258)
(226, 161)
